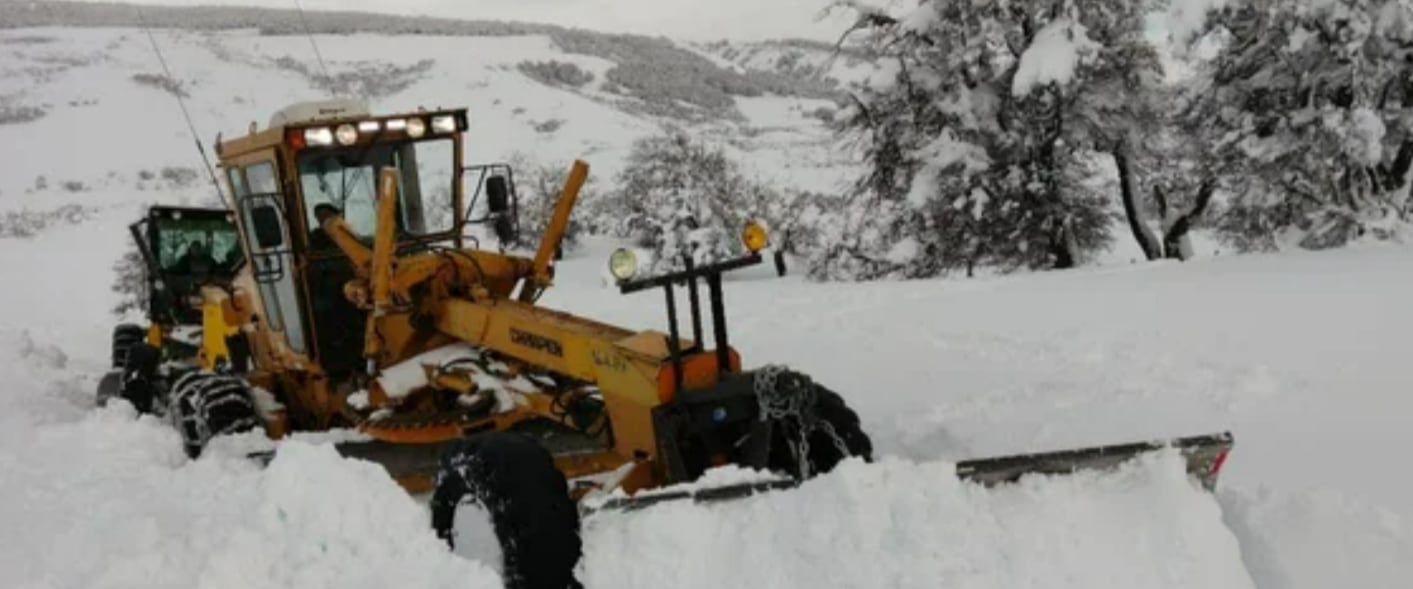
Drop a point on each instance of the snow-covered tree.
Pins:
(1313, 103)
(1165, 176)
(680, 197)
(981, 147)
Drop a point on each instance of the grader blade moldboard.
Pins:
(411, 465)
(702, 495)
(1204, 456)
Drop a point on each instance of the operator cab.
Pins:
(321, 160)
(184, 249)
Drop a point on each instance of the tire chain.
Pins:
(787, 396)
(190, 393)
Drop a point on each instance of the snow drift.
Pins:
(902, 524)
(109, 501)
(104, 498)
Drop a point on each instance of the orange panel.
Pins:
(699, 371)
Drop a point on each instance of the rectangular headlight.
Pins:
(368, 126)
(397, 124)
(318, 136)
(443, 124)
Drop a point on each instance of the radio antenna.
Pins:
(317, 55)
(177, 91)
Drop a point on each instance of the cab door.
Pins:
(255, 184)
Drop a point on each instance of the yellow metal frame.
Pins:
(420, 302)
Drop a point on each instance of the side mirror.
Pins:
(266, 221)
(497, 194)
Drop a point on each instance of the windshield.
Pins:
(190, 244)
(345, 181)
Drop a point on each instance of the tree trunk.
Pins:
(1175, 242)
(1063, 247)
(1129, 189)
(1402, 163)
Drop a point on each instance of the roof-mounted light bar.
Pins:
(353, 132)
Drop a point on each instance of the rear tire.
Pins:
(125, 336)
(206, 405)
(513, 480)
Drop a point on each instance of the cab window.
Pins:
(345, 182)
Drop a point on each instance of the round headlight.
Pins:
(416, 127)
(346, 134)
(623, 264)
(754, 237)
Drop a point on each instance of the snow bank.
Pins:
(1316, 540)
(109, 500)
(142, 517)
(900, 524)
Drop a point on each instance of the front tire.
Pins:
(816, 416)
(139, 383)
(206, 405)
(513, 482)
(824, 453)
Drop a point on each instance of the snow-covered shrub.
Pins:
(556, 73)
(182, 177)
(28, 223)
(664, 79)
(161, 82)
(368, 80)
(537, 187)
(26, 40)
(15, 114)
(678, 197)
(547, 126)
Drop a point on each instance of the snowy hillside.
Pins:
(1302, 356)
(545, 93)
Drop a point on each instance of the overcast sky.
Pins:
(684, 19)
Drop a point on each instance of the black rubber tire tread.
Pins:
(124, 337)
(139, 381)
(206, 405)
(824, 454)
(515, 479)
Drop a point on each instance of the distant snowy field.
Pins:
(1303, 356)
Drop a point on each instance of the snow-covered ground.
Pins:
(1299, 355)
(1303, 356)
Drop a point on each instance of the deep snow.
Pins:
(1303, 356)
(938, 370)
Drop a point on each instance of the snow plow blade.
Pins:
(1204, 456)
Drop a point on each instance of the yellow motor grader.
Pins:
(343, 288)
